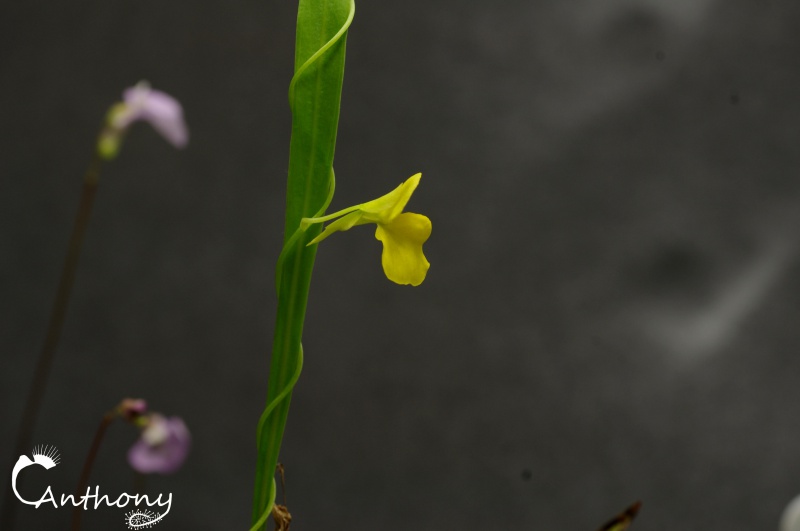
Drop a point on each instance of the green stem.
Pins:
(314, 97)
(53, 335)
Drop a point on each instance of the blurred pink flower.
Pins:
(163, 446)
(141, 103)
(157, 108)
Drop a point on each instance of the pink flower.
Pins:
(157, 108)
(163, 446)
(141, 103)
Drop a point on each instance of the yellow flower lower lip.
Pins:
(401, 233)
(402, 258)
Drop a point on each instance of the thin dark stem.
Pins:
(77, 511)
(45, 361)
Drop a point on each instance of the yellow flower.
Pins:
(402, 233)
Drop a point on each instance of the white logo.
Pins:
(140, 519)
(47, 457)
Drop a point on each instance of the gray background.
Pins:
(611, 309)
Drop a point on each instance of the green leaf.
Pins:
(314, 98)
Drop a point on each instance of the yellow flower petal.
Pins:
(402, 259)
(386, 208)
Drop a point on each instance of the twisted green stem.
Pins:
(314, 98)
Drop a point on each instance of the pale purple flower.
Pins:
(163, 446)
(157, 108)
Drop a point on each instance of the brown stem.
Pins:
(45, 361)
(77, 512)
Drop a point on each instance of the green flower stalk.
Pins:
(314, 98)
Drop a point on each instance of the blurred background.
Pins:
(611, 310)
